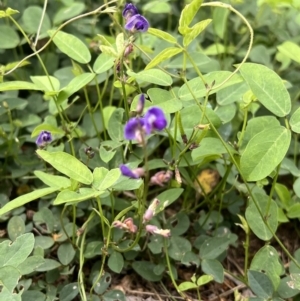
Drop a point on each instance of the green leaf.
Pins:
(109, 50)
(167, 197)
(75, 85)
(47, 127)
(209, 146)
(45, 242)
(178, 224)
(26, 198)
(18, 85)
(48, 84)
(114, 295)
(257, 125)
(268, 87)
(157, 7)
(116, 262)
(101, 286)
(108, 149)
(226, 113)
(204, 279)
(16, 252)
(124, 183)
(35, 295)
(199, 89)
(48, 265)
(295, 281)
(264, 152)
(256, 222)
(67, 12)
(164, 99)
(66, 253)
(184, 286)
(191, 117)
(9, 11)
(295, 121)
(115, 125)
(290, 50)
(145, 270)
(15, 227)
(267, 260)
(212, 247)
(232, 94)
(70, 45)
(68, 196)
(93, 248)
(30, 264)
(260, 284)
(284, 290)
(187, 16)
(103, 63)
(9, 277)
(5, 294)
(167, 53)
(162, 35)
(9, 37)
(178, 247)
(213, 267)
(294, 211)
(220, 16)
(152, 76)
(53, 180)
(69, 292)
(195, 31)
(104, 179)
(68, 165)
(31, 19)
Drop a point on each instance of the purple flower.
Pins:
(43, 139)
(137, 23)
(155, 118)
(136, 128)
(129, 11)
(141, 104)
(134, 173)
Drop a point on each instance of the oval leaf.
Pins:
(71, 46)
(264, 152)
(268, 87)
(8, 37)
(295, 121)
(162, 35)
(26, 198)
(162, 56)
(257, 224)
(68, 165)
(153, 76)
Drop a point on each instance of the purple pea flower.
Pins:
(136, 128)
(155, 118)
(137, 23)
(129, 11)
(43, 139)
(131, 173)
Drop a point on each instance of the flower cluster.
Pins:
(129, 226)
(43, 139)
(134, 21)
(138, 127)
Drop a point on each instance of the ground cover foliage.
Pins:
(145, 143)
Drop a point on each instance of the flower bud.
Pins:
(141, 104)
